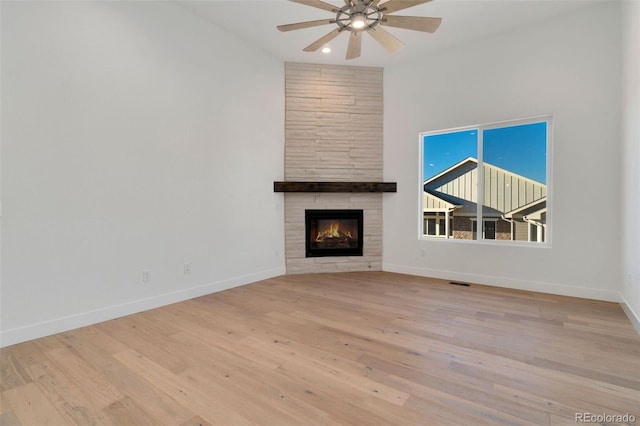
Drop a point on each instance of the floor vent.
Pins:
(457, 283)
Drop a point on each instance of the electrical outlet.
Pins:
(146, 276)
(187, 268)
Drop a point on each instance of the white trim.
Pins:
(479, 189)
(548, 231)
(634, 318)
(58, 325)
(568, 289)
(420, 211)
(508, 243)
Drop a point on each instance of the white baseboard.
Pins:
(59, 325)
(498, 281)
(634, 318)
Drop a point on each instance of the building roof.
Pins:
(533, 210)
(504, 191)
(437, 202)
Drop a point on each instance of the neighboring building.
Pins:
(514, 208)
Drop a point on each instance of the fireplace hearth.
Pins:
(333, 233)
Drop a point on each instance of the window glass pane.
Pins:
(431, 227)
(450, 179)
(515, 176)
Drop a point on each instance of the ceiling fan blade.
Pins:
(416, 23)
(396, 5)
(319, 4)
(355, 45)
(322, 41)
(385, 38)
(308, 24)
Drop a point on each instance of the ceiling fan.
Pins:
(360, 16)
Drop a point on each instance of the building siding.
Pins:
(503, 191)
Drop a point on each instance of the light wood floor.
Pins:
(356, 348)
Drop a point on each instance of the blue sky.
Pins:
(520, 149)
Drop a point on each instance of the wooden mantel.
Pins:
(293, 186)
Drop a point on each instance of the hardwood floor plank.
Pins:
(283, 349)
(12, 374)
(31, 407)
(9, 419)
(188, 391)
(94, 384)
(26, 354)
(250, 378)
(70, 401)
(254, 405)
(195, 421)
(125, 411)
(358, 348)
(458, 388)
(576, 392)
(103, 342)
(136, 333)
(89, 346)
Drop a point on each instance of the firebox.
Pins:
(333, 233)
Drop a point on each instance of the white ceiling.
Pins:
(255, 21)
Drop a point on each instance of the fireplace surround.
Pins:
(333, 159)
(333, 233)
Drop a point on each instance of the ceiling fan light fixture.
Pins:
(364, 16)
(326, 49)
(358, 21)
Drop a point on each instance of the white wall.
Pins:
(134, 137)
(568, 67)
(630, 160)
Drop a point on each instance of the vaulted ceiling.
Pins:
(255, 21)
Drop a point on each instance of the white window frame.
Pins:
(480, 128)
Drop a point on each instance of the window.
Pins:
(494, 174)
(435, 224)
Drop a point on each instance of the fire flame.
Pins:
(332, 231)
